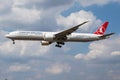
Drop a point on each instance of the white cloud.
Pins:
(19, 68)
(58, 68)
(22, 15)
(46, 4)
(19, 2)
(37, 14)
(19, 14)
(33, 14)
(115, 53)
(79, 56)
(23, 49)
(5, 6)
(99, 49)
(77, 18)
(26, 15)
(2, 36)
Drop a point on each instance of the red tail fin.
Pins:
(102, 29)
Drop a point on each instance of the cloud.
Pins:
(2, 36)
(105, 48)
(58, 68)
(25, 15)
(22, 15)
(23, 49)
(44, 4)
(19, 68)
(103, 58)
(115, 53)
(78, 17)
(5, 6)
(79, 56)
(30, 61)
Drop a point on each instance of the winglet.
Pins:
(82, 23)
(102, 29)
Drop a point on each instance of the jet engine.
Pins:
(48, 36)
(45, 43)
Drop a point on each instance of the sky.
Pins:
(28, 60)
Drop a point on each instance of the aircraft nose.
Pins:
(7, 35)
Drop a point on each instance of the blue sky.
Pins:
(28, 60)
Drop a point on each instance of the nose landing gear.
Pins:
(13, 41)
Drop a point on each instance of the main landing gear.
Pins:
(59, 44)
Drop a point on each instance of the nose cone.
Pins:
(7, 35)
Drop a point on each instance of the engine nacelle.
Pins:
(48, 36)
(45, 43)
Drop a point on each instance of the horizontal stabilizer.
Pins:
(106, 35)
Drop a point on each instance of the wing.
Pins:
(62, 35)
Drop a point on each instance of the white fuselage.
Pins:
(49, 36)
(60, 37)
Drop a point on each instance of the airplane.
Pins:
(60, 37)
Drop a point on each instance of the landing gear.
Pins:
(59, 44)
(13, 41)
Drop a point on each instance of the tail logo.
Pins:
(102, 30)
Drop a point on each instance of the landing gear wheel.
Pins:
(13, 42)
(57, 45)
(62, 43)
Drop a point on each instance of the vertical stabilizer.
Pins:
(101, 30)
